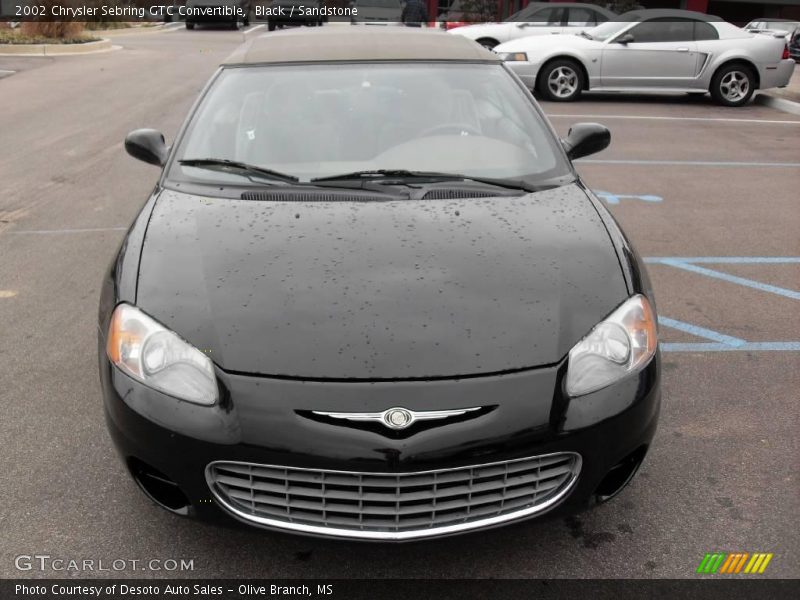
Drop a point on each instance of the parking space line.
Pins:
(702, 332)
(718, 347)
(764, 287)
(610, 198)
(688, 163)
(779, 260)
(61, 231)
(720, 342)
(690, 119)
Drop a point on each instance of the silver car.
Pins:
(785, 25)
(653, 50)
(538, 18)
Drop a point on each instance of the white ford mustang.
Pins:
(653, 50)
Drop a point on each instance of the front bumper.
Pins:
(773, 76)
(526, 71)
(265, 421)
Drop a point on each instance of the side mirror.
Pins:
(625, 39)
(147, 145)
(584, 139)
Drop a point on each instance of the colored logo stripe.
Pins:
(758, 563)
(721, 562)
(711, 562)
(734, 563)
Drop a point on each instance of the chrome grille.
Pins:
(392, 505)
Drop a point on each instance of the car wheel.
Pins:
(733, 85)
(235, 24)
(270, 26)
(561, 81)
(488, 43)
(189, 25)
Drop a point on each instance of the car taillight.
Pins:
(785, 52)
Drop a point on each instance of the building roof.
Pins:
(335, 43)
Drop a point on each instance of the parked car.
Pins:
(295, 13)
(457, 15)
(373, 299)
(233, 12)
(653, 50)
(794, 47)
(534, 20)
(376, 12)
(453, 17)
(774, 25)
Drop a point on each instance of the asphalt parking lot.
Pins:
(708, 195)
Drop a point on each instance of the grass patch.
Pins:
(14, 36)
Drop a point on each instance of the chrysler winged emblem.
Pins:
(397, 417)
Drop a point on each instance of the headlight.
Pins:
(151, 353)
(621, 344)
(514, 56)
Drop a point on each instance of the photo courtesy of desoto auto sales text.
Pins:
(399, 299)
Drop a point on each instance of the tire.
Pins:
(270, 26)
(733, 85)
(561, 80)
(189, 25)
(235, 24)
(487, 43)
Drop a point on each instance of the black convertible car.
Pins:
(370, 298)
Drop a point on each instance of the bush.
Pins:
(52, 29)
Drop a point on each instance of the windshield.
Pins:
(781, 25)
(311, 121)
(609, 29)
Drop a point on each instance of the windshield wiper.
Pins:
(238, 168)
(586, 35)
(401, 175)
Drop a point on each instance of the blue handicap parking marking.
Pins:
(690, 264)
(610, 198)
(709, 334)
(720, 342)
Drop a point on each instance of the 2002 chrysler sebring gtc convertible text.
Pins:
(370, 298)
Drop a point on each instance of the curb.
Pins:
(103, 45)
(164, 27)
(778, 103)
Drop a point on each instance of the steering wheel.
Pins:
(457, 128)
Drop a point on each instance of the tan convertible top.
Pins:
(347, 43)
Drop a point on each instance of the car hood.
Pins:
(543, 42)
(479, 30)
(380, 290)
